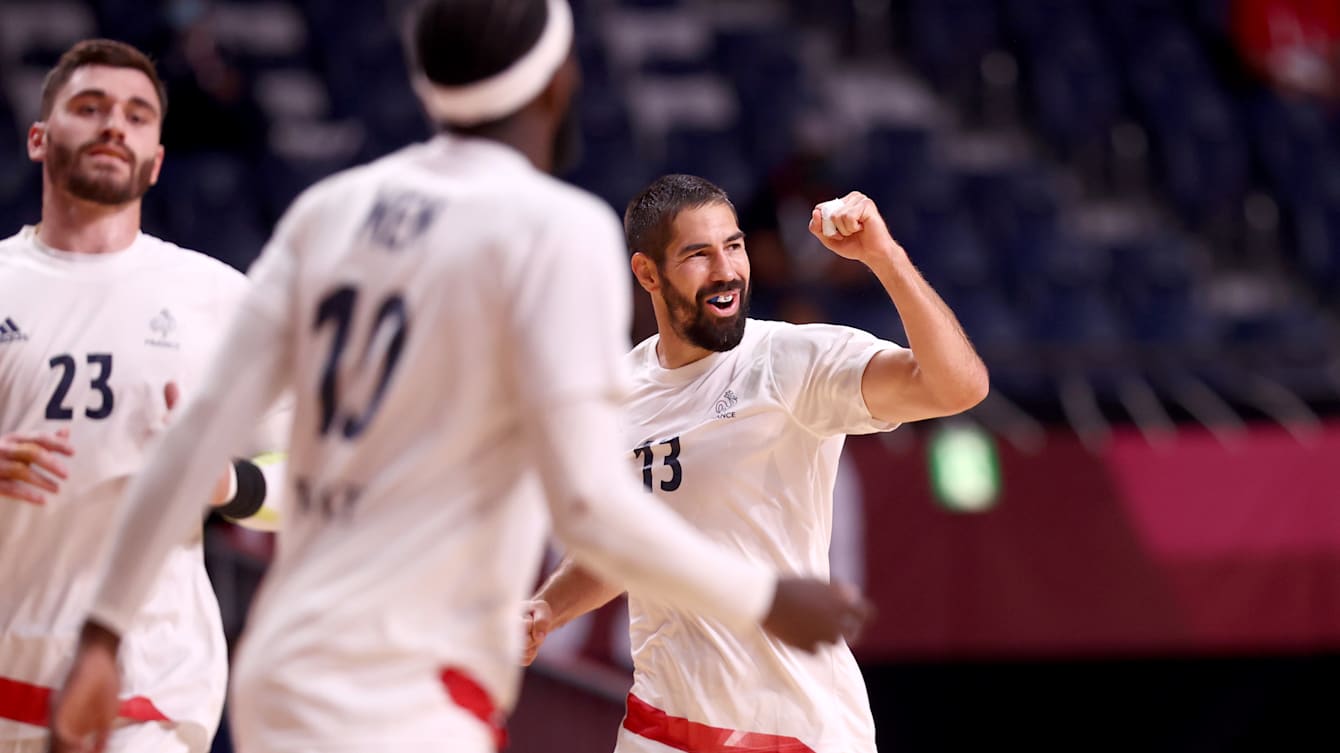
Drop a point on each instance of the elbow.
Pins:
(573, 525)
(969, 391)
(977, 388)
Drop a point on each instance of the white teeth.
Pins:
(724, 300)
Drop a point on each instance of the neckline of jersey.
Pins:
(686, 373)
(78, 257)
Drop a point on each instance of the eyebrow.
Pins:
(739, 235)
(137, 101)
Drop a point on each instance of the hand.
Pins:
(539, 621)
(808, 613)
(85, 708)
(23, 456)
(861, 232)
(172, 396)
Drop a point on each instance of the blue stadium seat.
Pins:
(1204, 156)
(1294, 143)
(949, 37)
(1077, 91)
(204, 202)
(712, 154)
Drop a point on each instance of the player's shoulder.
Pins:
(15, 240)
(800, 344)
(192, 272)
(636, 360)
(333, 193)
(555, 207)
(778, 334)
(186, 261)
(11, 247)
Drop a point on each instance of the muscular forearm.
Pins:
(628, 537)
(572, 591)
(947, 363)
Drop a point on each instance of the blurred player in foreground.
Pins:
(452, 321)
(104, 329)
(737, 424)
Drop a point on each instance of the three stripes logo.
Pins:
(10, 332)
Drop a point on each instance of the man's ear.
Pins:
(158, 165)
(557, 95)
(37, 141)
(644, 269)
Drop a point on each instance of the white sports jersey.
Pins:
(430, 310)
(88, 342)
(745, 444)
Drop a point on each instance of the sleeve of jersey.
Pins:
(818, 370)
(166, 500)
(570, 336)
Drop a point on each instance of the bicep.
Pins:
(895, 389)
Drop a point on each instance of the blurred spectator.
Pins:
(210, 97)
(1295, 44)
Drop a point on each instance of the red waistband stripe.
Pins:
(31, 704)
(471, 696)
(693, 737)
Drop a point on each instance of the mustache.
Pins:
(120, 151)
(733, 286)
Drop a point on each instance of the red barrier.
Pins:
(1191, 548)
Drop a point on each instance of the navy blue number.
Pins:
(56, 409)
(339, 307)
(672, 460)
(648, 456)
(392, 310)
(104, 363)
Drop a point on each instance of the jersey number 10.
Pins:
(338, 308)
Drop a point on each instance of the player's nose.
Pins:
(721, 269)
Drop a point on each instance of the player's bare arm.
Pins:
(940, 374)
(30, 465)
(237, 494)
(573, 591)
(85, 709)
(570, 592)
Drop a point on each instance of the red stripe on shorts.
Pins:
(472, 697)
(31, 704)
(692, 737)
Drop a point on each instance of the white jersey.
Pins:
(429, 310)
(88, 343)
(745, 444)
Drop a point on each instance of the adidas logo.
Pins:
(10, 332)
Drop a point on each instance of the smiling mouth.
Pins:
(723, 301)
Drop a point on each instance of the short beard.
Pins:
(97, 190)
(693, 323)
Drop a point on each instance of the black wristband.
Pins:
(250, 497)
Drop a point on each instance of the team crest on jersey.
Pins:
(723, 405)
(162, 327)
(10, 332)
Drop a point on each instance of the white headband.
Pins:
(508, 90)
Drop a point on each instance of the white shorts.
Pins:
(291, 723)
(630, 742)
(148, 737)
